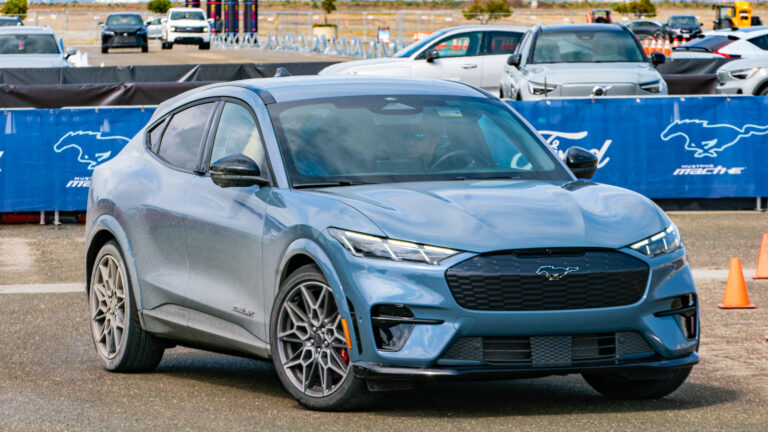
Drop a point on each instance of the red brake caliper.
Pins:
(344, 354)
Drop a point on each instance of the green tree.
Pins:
(637, 8)
(15, 7)
(328, 6)
(159, 6)
(487, 11)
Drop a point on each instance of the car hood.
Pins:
(482, 216)
(368, 67)
(123, 28)
(573, 73)
(33, 60)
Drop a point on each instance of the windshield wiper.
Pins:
(309, 185)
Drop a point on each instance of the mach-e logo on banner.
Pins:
(708, 140)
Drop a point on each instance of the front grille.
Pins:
(548, 280)
(549, 351)
(190, 29)
(610, 89)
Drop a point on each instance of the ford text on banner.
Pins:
(47, 156)
(694, 147)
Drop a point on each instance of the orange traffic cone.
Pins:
(667, 48)
(762, 260)
(676, 43)
(736, 296)
(647, 45)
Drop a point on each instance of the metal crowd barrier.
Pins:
(355, 47)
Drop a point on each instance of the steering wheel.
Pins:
(471, 158)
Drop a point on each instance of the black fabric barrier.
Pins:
(697, 66)
(154, 73)
(690, 84)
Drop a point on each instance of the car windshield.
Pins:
(9, 22)
(188, 15)
(28, 44)
(418, 45)
(682, 21)
(387, 139)
(583, 46)
(124, 20)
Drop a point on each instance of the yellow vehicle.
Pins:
(737, 16)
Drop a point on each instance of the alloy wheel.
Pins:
(108, 308)
(311, 345)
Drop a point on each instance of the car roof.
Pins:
(9, 18)
(123, 13)
(26, 30)
(581, 27)
(682, 15)
(741, 33)
(184, 9)
(487, 27)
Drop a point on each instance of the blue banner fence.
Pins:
(670, 147)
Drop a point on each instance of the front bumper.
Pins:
(188, 38)
(646, 370)
(121, 41)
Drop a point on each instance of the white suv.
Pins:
(186, 26)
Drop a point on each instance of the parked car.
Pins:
(356, 230)
(31, 47)
(124, 30)
(683, 27)
(745, 76)
(154, 27)
(581, 60)
(471, 54)
(646, 28)
(741, 43)
(186, 26)
(10, 21)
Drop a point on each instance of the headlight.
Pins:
(173, 29)
(744, 73)
(206, 29)
(652, 87)
(108, 33)
(365, 245)
(540, 89)
(660, 243)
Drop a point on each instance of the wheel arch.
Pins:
(762, 86)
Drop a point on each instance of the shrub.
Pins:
(488, 11)
(15, 7)
(159, 6)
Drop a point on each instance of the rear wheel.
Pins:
(145, 47)
(104, 49)
(309, 347)
(620, 387)
(763, 91)
(121, 344)
(204, 46)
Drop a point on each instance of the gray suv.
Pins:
(581, 60)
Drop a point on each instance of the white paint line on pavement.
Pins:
(42, 288)
(80, 287)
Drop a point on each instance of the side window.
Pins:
(155, 134)
(760, 42)
(462, 45)
(183, 137)
(238, 133)
(503, 42)
(526, 40)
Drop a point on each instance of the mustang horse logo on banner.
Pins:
(706, 139)
(92, 148)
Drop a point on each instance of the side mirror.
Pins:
(432, 55)
(210, 21)
(164, 20)
(582, 163)
(514, 60)
(658, 58)
(101, 24)
(69, 52)
(236, 171)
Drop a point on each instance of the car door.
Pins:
(459, 59)
(224, 232)
(156, 223)
(498, 46)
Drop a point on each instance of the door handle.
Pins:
(469, 66)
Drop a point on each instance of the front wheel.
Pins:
(104, 49)
(309, 346)
(204, 46)
(620, 387)
(121, 344)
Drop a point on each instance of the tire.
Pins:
(301, 339)
(204, 46)
(104, 50)
(763, 91)
(166, 45)
(658, 34)
(619, 387)
(111, 300)
(145, 47)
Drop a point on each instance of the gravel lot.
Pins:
(50, 378)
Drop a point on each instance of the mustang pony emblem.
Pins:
(555, 273)
(92, 148)
(706, 139)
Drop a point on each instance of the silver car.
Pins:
(471, 54)
(581, 60)
(154, 27)
(747, 77)
(31, 47)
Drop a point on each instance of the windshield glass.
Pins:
(188, 15)
(9, 22)
(28, 44)
(386, 139)
(586, 47)
(683, 21)
(416, 46)
(124, 20)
